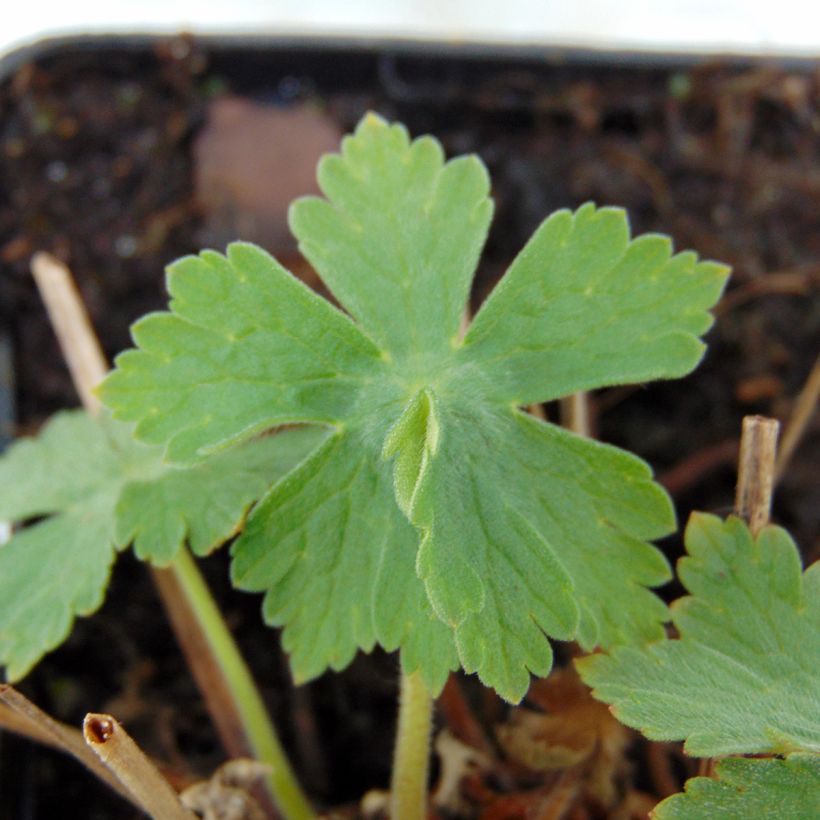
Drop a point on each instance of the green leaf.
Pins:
(399, 236)
(774, 789)
(328, 524)
(246, 348)
(524, 529)
(547, 535)
(744, 676)
(205, 505)
(94, 490)
(582, 306)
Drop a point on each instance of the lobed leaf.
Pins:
(315, 545)
(744, 676)
(205, 504)
(246, 348)
(560, 550)
(49, 573)
(787, 789)
(398, 238)
(95, 490)
(582, 307)
(523, 529)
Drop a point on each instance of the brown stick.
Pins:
(68, 316)
(753, 498)
(138, 775)
(21, 716)
(575, 413)
(755, 475)
(803, 410)
(660, 768)
(87, 364)
(209, 676)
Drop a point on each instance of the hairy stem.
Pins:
(411, 759)
(226, 682)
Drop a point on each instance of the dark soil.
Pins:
(96, 164)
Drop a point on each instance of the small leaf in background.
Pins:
(519, 528)
(773, 789)
(744, 676)
(90, 489)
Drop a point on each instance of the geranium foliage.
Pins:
(436, 516)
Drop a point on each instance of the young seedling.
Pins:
(435, 517)
(432, 515)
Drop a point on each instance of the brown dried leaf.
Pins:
(458, 760)
(226, 796)
(573, 730)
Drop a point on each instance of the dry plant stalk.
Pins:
(69, 318)
(21, 716)
(118, 752)
(804, 408)
(575, 414)
(755, 475)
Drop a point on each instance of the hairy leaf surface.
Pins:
(524, 529)
(744, 676)
(776, 789)
(94, 490)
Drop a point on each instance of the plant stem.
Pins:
(411, 759)
(225, 679)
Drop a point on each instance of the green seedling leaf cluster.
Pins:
(89, 489)
(435, 516)
(742, 678)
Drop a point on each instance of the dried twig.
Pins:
(755, 475)
(119, 754)
(803, 410)
(68, 316)
(753, 499)
(793, 282)
(575, 413)
(18, 714)
(660, 768)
